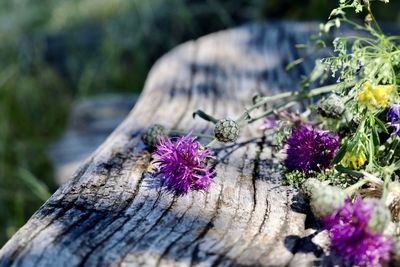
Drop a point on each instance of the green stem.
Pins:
(299, 95)
(378, 27)
(342, 169)
(354, 24)
(273, 111)
(205, 116)
(393, 148)
(212, 143)
(371, 147)
(349, 190)
(371, 178)
(385, 188)
(179, 132)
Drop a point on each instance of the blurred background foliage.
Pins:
(53, 52)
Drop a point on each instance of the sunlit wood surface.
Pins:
(108, 214)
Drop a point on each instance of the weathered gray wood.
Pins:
(106, 215)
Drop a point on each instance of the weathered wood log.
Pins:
(107, 214)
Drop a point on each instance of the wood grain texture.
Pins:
(108, 214)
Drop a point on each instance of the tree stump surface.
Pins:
(108, 214)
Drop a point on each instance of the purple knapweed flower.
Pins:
(269, 123)
(350, 237)
(181, 164)
(310, 149)
(393, 116)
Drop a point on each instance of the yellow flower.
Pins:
(373, 97)
(354, 160)
(382, 93)
(366, 97)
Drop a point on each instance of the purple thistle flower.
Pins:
(310, 149)
(181, 166)
(393, 116)
(350, 237)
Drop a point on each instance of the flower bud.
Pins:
(153, 134)
(310, 185)
(226, 130)
(324, 198)
(331, 107)
(380, 215)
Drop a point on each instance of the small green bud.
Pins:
(226, 130)
(153, 134)
(368, 19)
(380, 216)
(331, 107)
(324, 198)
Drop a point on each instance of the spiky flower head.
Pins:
(324, 198)
(393, 116)
(331, 107)
(310, 149)
(352, 240)
(226, 130)
(181, 164)
(153, 135)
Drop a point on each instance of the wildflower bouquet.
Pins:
(343, 151)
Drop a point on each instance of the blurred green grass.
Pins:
(53, 52)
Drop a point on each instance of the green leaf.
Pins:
(300, 46)
(340, 154)
(38, 188)
(204, 116)
(375, 136)
(294, 63)
(318, 70)
(343, 169)
(381, 125)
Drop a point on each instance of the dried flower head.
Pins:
(324, 198)
(310, 149)
(181, 164)
(331, 107)
(151, 137)
(351, 238)
(226, 130)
